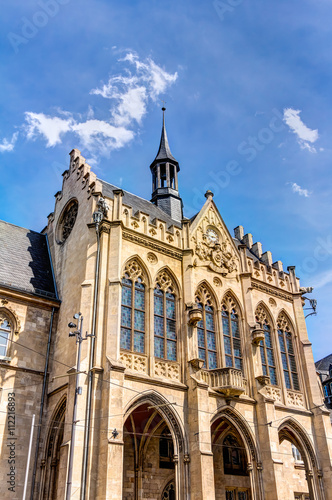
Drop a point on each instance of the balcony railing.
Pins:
(228, 381)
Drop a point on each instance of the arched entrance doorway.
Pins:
(53, 474)
(230, 460)
(149, 460)
(299, 463)
(155, 459)
(237, 467)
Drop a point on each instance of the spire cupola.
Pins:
(164, 169)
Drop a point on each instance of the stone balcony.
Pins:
(227, 381)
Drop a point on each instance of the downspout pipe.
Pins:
(97, 218)
(34, 473)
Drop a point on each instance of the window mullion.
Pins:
(132, 315)
(287, 360)
(165, 325)
(288, 363)
(231, 336)
(205, 341)
(266, 360)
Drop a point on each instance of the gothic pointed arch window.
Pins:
(166, 450)
(165, 320)
(234, 457)
(286, 345)
(5, 334)
(132, 337)
(266, 345)
(206, 333)
(231, 333)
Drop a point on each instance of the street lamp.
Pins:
(78, 390)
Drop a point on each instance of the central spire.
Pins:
(164, 169)
(164, 152)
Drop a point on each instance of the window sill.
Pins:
(5, 358)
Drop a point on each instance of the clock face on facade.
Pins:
(67, 221)
(212, 235)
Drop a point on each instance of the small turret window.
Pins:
(163, 180)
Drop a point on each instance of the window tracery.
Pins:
(231, 333)
(165, 327)
(287, 352)
(266, 346)
(132, 336)
(206, 335)
(67, 221)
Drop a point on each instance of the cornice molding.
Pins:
(151, 244)
(272, 291)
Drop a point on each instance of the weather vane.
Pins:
(164, 102)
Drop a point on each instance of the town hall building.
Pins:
(163, 357)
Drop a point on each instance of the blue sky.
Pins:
(248, 92)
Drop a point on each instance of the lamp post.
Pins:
(78, 390)
(97, 218)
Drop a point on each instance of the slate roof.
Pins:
(24, 261)
(139, 204)
(323, 364)
(164, 152)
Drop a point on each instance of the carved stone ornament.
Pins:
(263, 379)
(152, 258)
(271, 392)
(213, 252)
(217, 282)
(197, 363)
(257, 335)
(195, 315)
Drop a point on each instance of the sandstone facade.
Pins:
(202, 376)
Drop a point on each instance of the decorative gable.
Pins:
(213, 246)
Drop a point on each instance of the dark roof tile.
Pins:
(139, 204)
(24, 260)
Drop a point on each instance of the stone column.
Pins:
(201, 465)
(113, 464)
(168, 177)
(321, 422)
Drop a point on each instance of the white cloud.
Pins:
(132, 106)
(52, 128)
(297, 189)
(97, 135)
(140, 83)
(133, 91)
(6, 146)
(305, 136)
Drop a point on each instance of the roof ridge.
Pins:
(21, 227)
